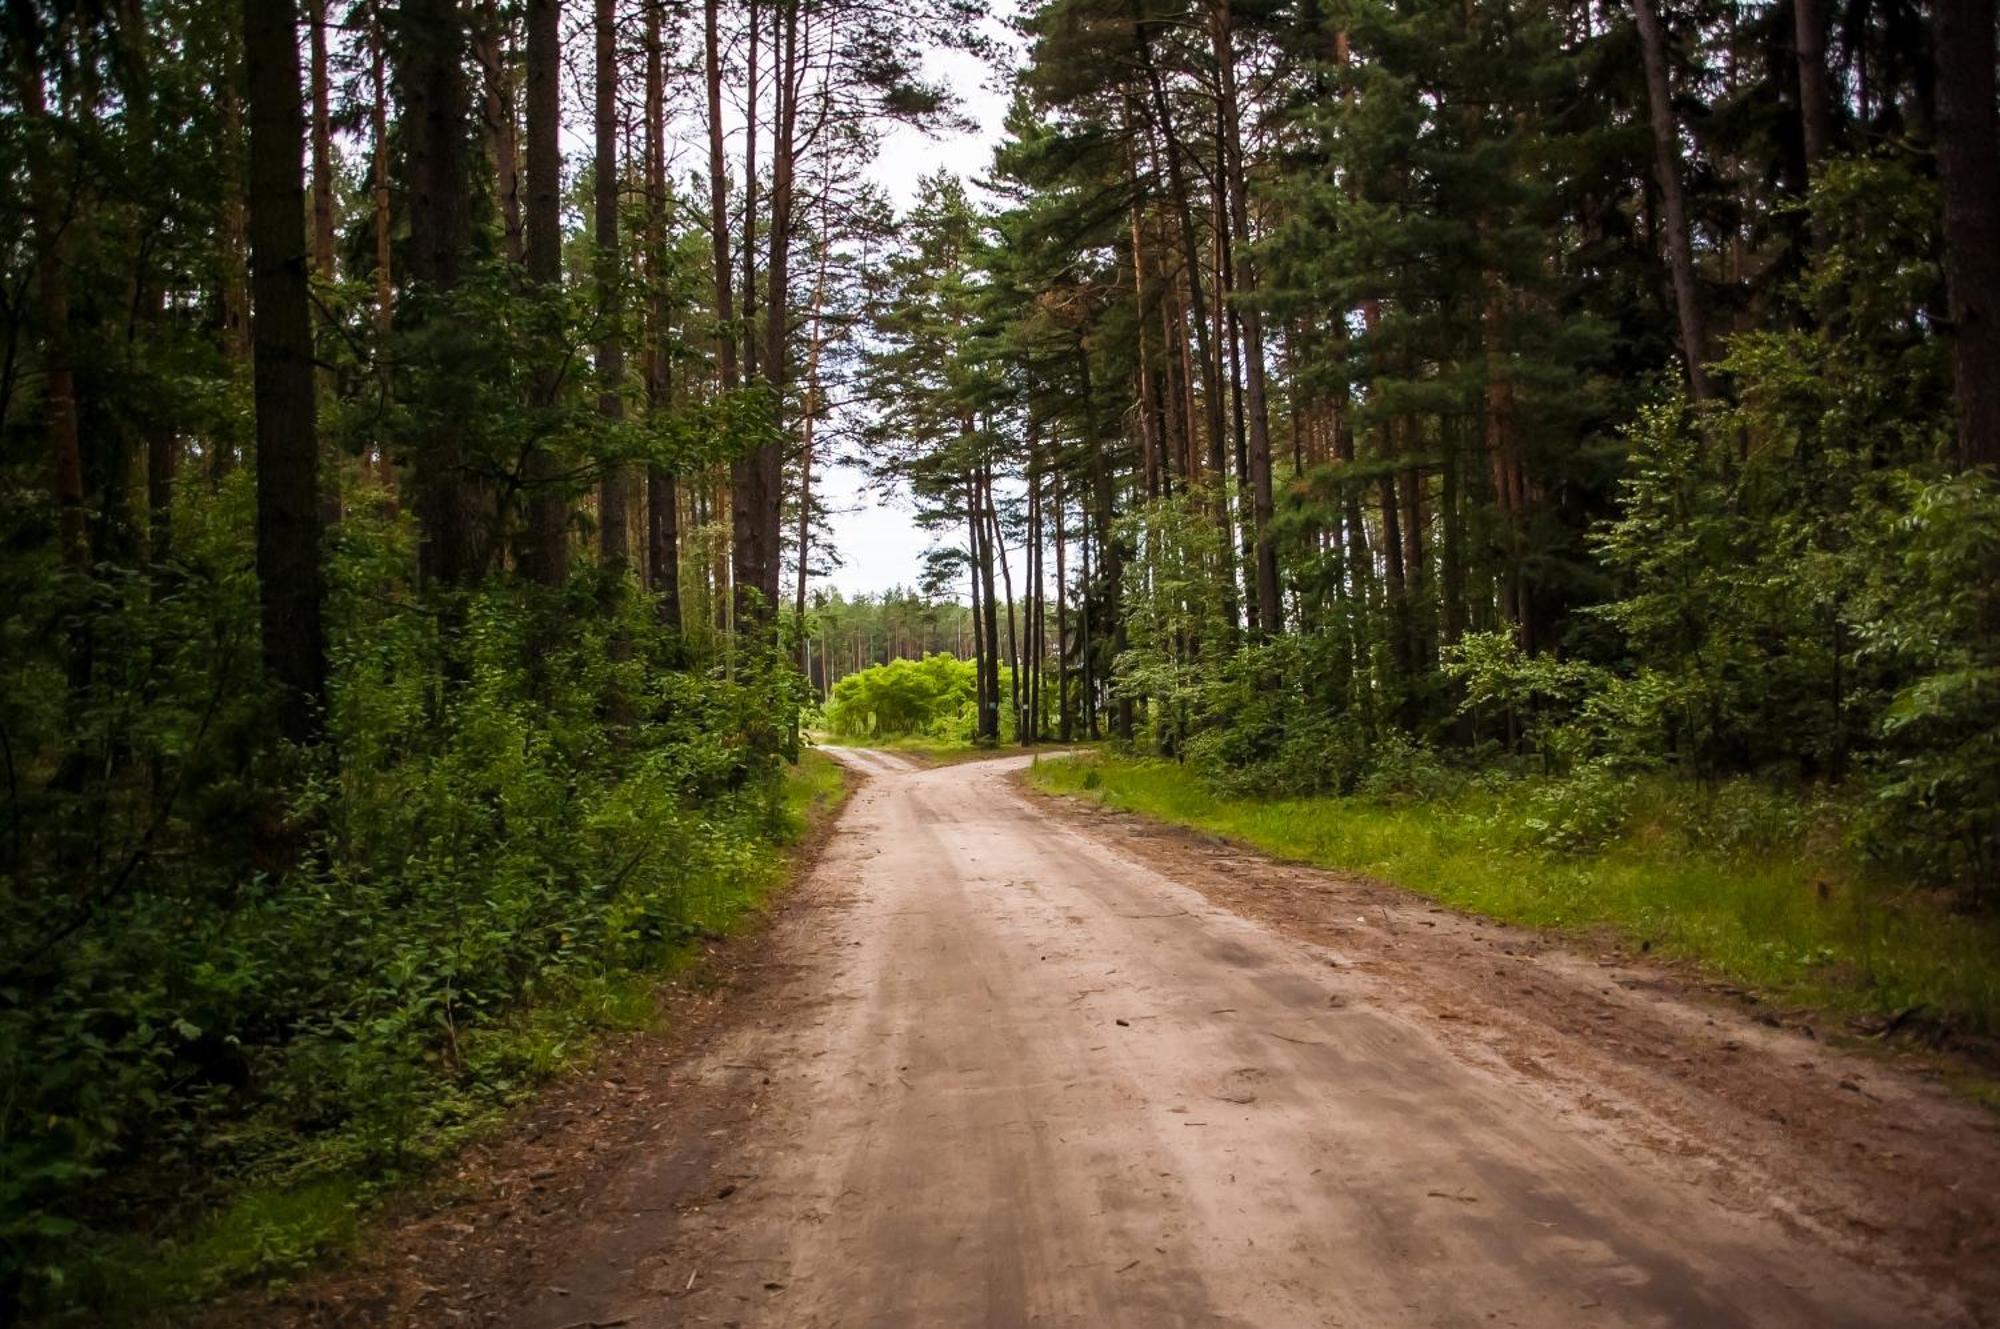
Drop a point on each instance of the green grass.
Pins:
(1789, 915)
(813, 789)
(273, 1228)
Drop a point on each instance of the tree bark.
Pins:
(1968, 148)
(430, 71)
(544, 554)
(1667, 170)
(163, 449)
(322, 145)
(65, 453)
(288, 521)
(497, 124)
(750, 199)
(1256, 388)
(808, 410)
(986, 722)
(756, 479)
(777, 358)
(378, 123)
(989, 711)
(718, 206)
(1815, 103)
(1007, 587)
(614, 521)
(1030, 730)
(1206, 348)
(234, 275)
(1063, 730)
(1111, 561)
(663, 526)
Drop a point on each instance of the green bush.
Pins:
(1581, 812)
(934, 696)
(230, 965)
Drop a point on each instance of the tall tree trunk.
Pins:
(1667, 171)
(1256, 392)
(1360, 563)
(989, 710)
(1451, 550)
(1416, 566)
(1151, 398)
(663, 526)
(1086, 670)
(975, 562)
(496, 123)
(614, 523)
(1036, 629)
(725, 318)
(1395, 579)
(1815, 103)
(378, 124)
(235, 273)
(544, 553)
(718, 203)
(1063, 730)
(1007, 588)
(1968, 148)
(430, 72)
(1208, 352)
(1146, 389)
(785, 78)
(322, 202)
(1394, 576)
(1112, 554)
(1229, 334)
(65, 453)
(288, 529)
(163, 449)
(809, 408)
(322, 145)
(750, 109)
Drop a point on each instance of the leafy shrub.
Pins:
(936, 696)
(1933, 615)
(1751, 816)
(1403, 769)
(232, 964)
(1581, 812)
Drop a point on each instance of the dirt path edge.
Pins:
(1867, 1150)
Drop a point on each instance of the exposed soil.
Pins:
(1830, 1130)
(1008, 1060)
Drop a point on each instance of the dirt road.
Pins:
(1004, 1070)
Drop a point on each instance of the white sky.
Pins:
(877, 540)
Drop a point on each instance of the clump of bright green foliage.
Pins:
(933, 698)
(233, 968)
(1751, 883)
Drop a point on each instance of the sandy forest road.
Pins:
(1006, 1069)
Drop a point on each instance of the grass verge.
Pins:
(273, 1228)
(1789, 915)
